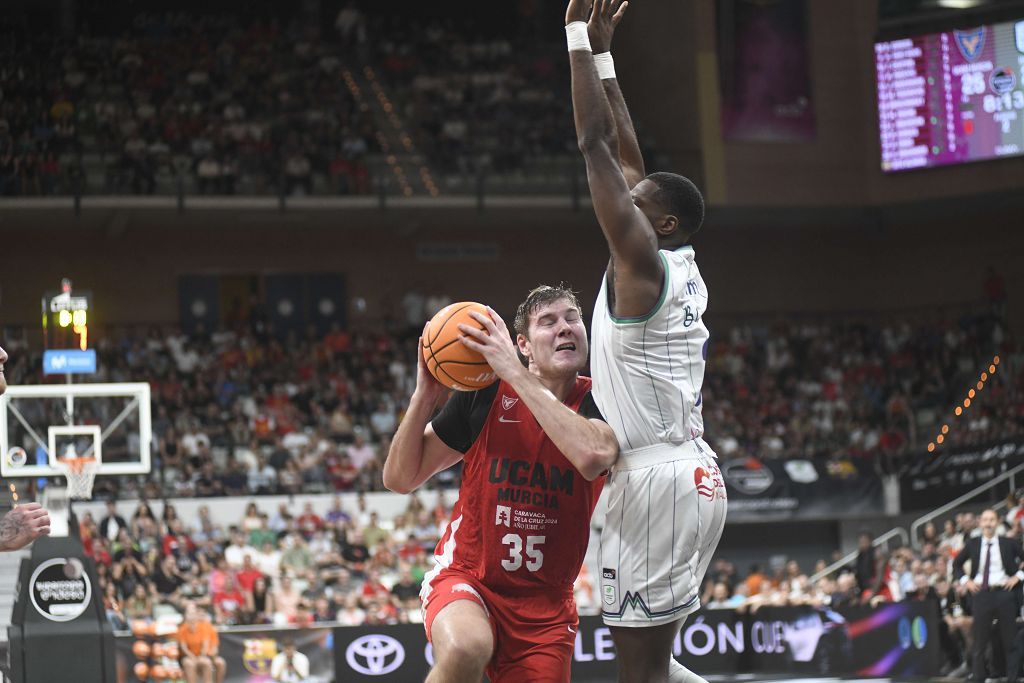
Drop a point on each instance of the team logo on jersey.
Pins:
(609, 595)
(503, 515)
(970, 42)
(702, 480)
(508, 401)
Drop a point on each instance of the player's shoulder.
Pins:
(683, 256)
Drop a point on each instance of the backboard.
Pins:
(39, 423)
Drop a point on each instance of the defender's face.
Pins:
(557, 344)
(643, 196)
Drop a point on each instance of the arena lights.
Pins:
(959, 410)
(396, 123)
(392, 160)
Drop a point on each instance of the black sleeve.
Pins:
(959, 560)
(462, 418)
(588, 408)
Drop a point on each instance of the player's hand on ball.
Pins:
(22, 525)
(493, 343)
(578, 10)
(606, 16)
(429, 388)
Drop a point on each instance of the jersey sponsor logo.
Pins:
(608, 573)
(534, 475)
(702, 480)
(542, 483)
(609, 594)
(535, 498)
(508, 401)
(506, 420)
(970, 42)
(503, 515)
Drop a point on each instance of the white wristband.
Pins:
(576, 36)
(605, 65)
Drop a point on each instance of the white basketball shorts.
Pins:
(666, 513)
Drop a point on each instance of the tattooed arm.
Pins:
(22, 525)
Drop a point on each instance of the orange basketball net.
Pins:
(80, 473)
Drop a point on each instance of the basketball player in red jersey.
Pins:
(28, 521)
(499, 599)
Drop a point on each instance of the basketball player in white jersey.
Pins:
(666, 502)
(28, 521)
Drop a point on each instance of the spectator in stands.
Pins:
(866, 566)
(200, 644)
(112, 523)
(286, 601)
(290, 665)
(229, 603)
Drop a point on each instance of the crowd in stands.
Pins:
(241, 413)
(290, 568)
(877, 576)
(860, 389)
(296, 567)
(475, 98)
(257, 102)
(231, 103)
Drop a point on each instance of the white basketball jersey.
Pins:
(648, 371)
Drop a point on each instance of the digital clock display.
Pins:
(952, 97)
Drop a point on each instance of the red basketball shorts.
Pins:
(534, 636)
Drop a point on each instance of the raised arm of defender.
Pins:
(635, 265)
(601, 28)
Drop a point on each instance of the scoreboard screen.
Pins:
(951, 97)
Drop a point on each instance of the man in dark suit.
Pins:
(995, 591)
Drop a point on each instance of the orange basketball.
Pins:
(158, 672)
(171, 650)
(141, 649)
(141, 670)
(158, 649)
(139, 627)
(448, 360)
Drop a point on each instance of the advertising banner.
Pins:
(937, 478)
(892, 640)
(800, 489)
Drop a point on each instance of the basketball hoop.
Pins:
(80, 473)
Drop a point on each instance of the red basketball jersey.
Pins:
(522, 520)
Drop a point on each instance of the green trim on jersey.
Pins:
(657, 306)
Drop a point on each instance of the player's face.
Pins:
(3, 378)
(558, 339)
(644, 198)
(988, 522)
